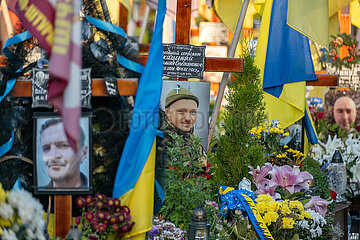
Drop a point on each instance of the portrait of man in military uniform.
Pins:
(183, 112)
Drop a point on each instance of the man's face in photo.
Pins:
(61, 161)
(182, 114)
(344, 112)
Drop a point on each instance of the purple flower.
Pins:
(117, 202)
(101, 227)
(127, 227)
(317, 204)
(115, 227)
(100, 215)
(89, 216)
(154, 231)
(93, 237)
(80, 201)
(78, 220)
(259, 174)
(110, 202)
(89, 200)
(99, 204)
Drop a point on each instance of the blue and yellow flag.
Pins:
(284, 58)
(134, 182)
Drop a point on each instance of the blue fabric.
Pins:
(160, 191)
(14, 40)
(145, 118)
(17, 186)
(258, 224)
(288, 56)
(310, 132)
(136, 67)
(11, 83)
(133, 66)
(7, 146)
(106, 26)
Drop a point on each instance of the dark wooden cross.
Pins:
(128, 88)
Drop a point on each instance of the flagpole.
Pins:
(225, 77)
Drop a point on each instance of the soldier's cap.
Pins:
(178, 94)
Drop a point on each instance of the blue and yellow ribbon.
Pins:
(243, 200)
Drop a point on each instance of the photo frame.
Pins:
(57, 169)
(342, 107)
(202, 91)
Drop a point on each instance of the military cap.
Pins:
(177, 94)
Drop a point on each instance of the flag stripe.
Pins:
(134, 181)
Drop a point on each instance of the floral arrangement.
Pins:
(20, 216)
(270, 135)
(103, 217)
(350, 152)
(164, 230)
(345, 41)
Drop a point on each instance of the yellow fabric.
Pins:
(141, 199)
(229, 10)
(259, 6)
(114, 9)
(355, 13)
(126, 3)
(311, 18)
(51, 226)
(289, 107)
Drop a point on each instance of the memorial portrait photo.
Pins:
(342, 107)
(58, 168)
(186, 107)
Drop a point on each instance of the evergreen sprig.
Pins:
(236, 150)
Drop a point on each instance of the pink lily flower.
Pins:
(259, 174)
(317, 204)
(287, 178)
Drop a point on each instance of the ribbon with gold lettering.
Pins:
(38, 17)
(243, 200)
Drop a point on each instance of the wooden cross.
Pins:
(129, 87)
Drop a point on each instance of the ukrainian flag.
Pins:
(134, 182)
(284, 58)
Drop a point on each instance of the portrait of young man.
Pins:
(342, 107)
(59, 167)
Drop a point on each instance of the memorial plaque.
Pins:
(348, 77)
(213, 32)
(40, 84)
(184, 61)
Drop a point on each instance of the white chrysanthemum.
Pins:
(314, 225)
(6, 211)
(355, 170)
(8, 235)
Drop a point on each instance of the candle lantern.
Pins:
(337, 176)
(74, 233)
(198, 227)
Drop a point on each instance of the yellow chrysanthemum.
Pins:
(270, 217)
(272, 206)
(2, 194)
(264, 198)
(286, 146)
(286, 134)
(285, 209)
(262, 207)
(5, 222)
(296, 205)
(306, 215)
(281, 155)
(288, 223)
